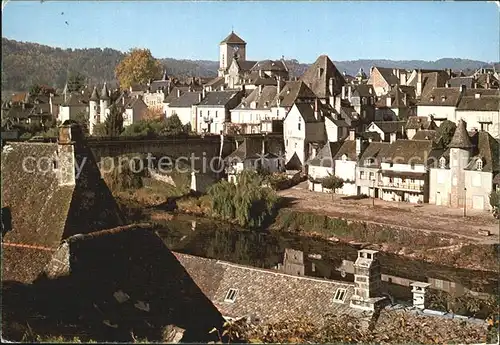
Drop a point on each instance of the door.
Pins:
(478, 202)
(438, 199)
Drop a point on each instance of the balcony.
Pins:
(402, 186)
(207, 119)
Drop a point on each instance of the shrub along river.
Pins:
(466, 292)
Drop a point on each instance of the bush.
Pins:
(247, 201)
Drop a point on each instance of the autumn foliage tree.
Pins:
(137, 67)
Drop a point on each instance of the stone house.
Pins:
(249, 115)
(382, 79)
(418, 123)
(303, 125)
(213, 112)
(74, 104)
(255, 154)
(368, 167)
(481, 111)
(465, 172)
(440, 104)
(362, 98)
(404, 174)
(324, 79)
(396, 105)
(425, 80)
(292, 92)
(185, 107)
(134, 110)
(388, 130)
(276, 69)
(321, 166)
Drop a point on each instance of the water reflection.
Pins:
(316, 257)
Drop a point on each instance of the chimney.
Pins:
(388, 101)
(330, 88)
(200, 97)
(316, 110)
(69, 140)
(278, 85)
(462, 89)
(392, 137)
(343, 92)
(402, 79)
(488, 81)
(178, 93)
(260, 89)
(418, 290)
(222, 87)
(203, 94)
(123, 100)
(349, 92)
(261, 74)
(359, 143)
(367, 280)
(419, 83)
(319, 72)
(405, 99)
(352, 134)
(338, 103)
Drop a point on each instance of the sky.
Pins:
(399, 30)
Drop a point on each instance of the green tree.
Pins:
(83, 120)
(332, 182)
(99, 130)
(138, 67)
(114, 122)
(173, 125)
(495, 199)
(446, 131)
(76, 82)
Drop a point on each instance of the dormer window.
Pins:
(340, 295)
(432, 98)
(344, 157)
(369, 161)
(479, 164)
(443, 98)
(231, 296)
(442, 162)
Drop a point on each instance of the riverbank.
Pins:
(433, 247)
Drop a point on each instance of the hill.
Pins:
(25, 63)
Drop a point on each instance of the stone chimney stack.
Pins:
(331, 90)
(343, 92)
(352, 134)
(418, 290)
(260, 89)
(69, 140)
(338, 103)
(393, 137)
(359, 148)
(203, 94)
(349, 92)
(419, 83)
(389, 101)
(367, 281)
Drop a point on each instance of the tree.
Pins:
(83, 119)
(99, 130)
(153, 114)
(114, 122)
(173, 125)
(332, 182)
(76, 82)
(446, 131)
(138, 67)
(495, 199)
(37, 89)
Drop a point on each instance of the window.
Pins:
(368, 161)
(277, 113)
(442, 163)
(286, 144)
(216, 113)
(361, 175)
(299, 126)
(412, 166)
(208, 112)
(372, 176)
(339, 295)
(231, 295)
(479, 164)
(201, 113)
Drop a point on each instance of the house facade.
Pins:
(213, 112)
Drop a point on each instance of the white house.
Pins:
(345, 162)
(367, 174)
(213, 112)
(388, 130)
(481, 110)
(403, 175)
(133, 111)
(303, 125)
(248, 116)
(440, 104)
(465, 172)
(322, 165)
(185, 107)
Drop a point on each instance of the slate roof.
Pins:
(245, 65)
(307, 112)
(409, 151)
(397, 95)
(488, 149)
(419, 122)
(320, 85)
(186, 100)
(347, 148)
(218, 98)
(376, 152)
(95, 96)
(426, 135)
(374, 136)
(248, 149)
(390, 126)
(387, 74)
(484, 103)
(123, 276)
(232, 38)
(461, 139)
(292, 92)
(435, 96)
(363, 90)
(324, 157)
(265, 81)
(216, 82)
(270, 65)
(459, 81)
(43, 212)
(156, 85)
(262, 100)
(75, 100)
(431, 79)
(266, 295)
(481, 92)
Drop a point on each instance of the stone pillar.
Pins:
(418, 290)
